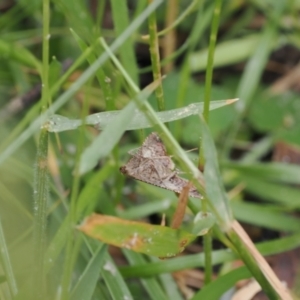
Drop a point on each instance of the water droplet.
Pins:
(109, 267)
(166, 203)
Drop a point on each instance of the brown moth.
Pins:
(151, 164)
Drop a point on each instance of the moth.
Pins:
(151, 164)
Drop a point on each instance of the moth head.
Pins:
(123, 170)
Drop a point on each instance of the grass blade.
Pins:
(57, 123)
(8, 271)
(87, 282)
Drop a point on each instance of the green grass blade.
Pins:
(280, 172)
(265, 216)
(56, 245)
(151, 285)
(58, 123)
(223, 54)
(218, 256)
(171, 287)
(127, 50)
(222, 284)
(41, 198)
(93, 190)
(86, 284)
(272, 191)
(114, 281)
(6, 264)
(89, 194)
(19, 54)
(146, 209)
(214, 187)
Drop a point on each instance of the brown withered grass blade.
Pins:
(181, 206)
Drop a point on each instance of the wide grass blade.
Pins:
(58, 123)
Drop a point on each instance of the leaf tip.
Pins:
(230, 101)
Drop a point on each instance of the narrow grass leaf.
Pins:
(223, 53)
(222, 284)
(175, 264)
(214, 186)
(41, 198)
(87, 282)
(89, 196)
(151, 285)
(272, 191)
(100, 74)
(114, 280)
(56, 245)
(6, 264)
(19, 54)
(127, 54)
(86, 199)
(146, 209)
(281, 172)
(170, 286)
(55, 70)
(265, 217)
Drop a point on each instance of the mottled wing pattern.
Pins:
(153, 146)
(151, 164)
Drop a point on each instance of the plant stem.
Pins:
(210, 59)
(207, 245)
(41, 190)
(41, 183)
(71, 254)
(185, 73)
(169, 41)
(251, 263)
(207, 239)
(155, 58)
